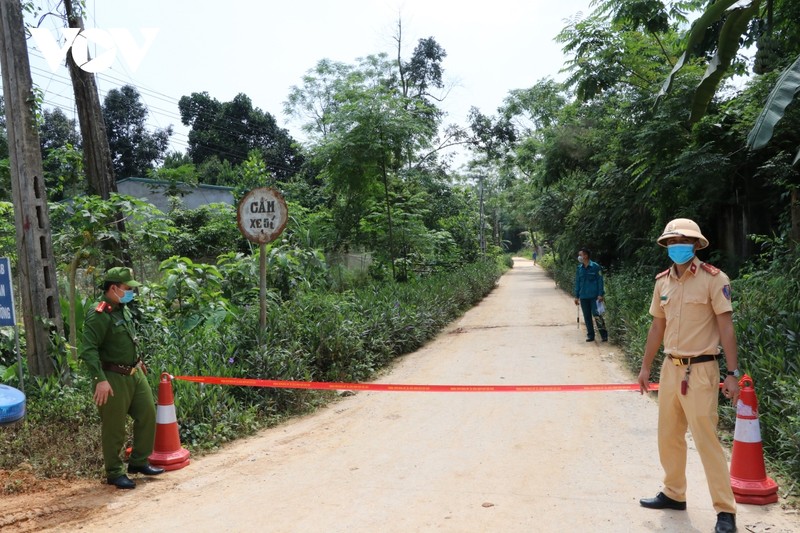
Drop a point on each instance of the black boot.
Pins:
(121, 482)
(726, 523)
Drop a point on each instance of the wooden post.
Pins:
(36, 265)
(262, 290)
(261, 217)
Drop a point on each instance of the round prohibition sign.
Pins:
(262, 215)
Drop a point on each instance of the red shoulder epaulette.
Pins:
(711, 269)
(662, 274)
(103, 307)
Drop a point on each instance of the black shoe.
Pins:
(726, 523)
(147, 470)
(605, 339)
(589, 340)
(662, 501)
(121, 482)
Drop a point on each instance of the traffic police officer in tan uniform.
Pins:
(108, 348)
(691, 310)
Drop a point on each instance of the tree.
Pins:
(374, 136)
(536, 108)
(493, 137)
(373, 132)
(786, 89)
(214, 171)
(532, 112)
(727, 25)
(424, 70)
(621, 46)
(735, 16)
(325, 88)
(84, 228)
(62, 157)
(178, 171)
(230, 130)
(316, 100)
(56, 130)
(493, 140)
(773, 26)
(134, 149)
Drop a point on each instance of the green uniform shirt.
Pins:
(108, 337)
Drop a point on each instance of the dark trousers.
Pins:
(589, 308)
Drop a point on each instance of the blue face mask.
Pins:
(680, 253)
(126, 297)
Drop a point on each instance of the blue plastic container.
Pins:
(12, 405)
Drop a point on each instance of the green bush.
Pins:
(767, 318)
(627, 317)
(316, 335)
(205, 232)
(8, 232)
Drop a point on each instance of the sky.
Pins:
(263, 48)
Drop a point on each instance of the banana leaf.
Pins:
(727, 46)
(696, 34)
(785, 90)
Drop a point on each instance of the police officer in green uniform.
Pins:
(120, 388)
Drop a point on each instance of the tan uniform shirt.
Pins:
(690, 305)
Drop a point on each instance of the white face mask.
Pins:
(580, 259)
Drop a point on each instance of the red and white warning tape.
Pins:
(325, 385)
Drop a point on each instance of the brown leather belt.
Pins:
(683, 361)
(125, 370)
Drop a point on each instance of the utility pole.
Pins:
(96, 152)
(35, 264)
(97, 160)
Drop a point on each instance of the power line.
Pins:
(54, 97)
(151, 110)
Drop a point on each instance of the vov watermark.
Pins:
(110, 41)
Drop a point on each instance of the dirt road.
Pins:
(453, 462)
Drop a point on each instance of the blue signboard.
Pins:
(6, 294)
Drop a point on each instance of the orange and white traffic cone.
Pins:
(167, 451)
(748, 476)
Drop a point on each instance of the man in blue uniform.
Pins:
(108, 349)
(589, 291)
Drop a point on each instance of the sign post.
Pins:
(7, 312)
(262, 216)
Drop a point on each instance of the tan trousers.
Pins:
(697, 410)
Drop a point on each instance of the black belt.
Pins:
(683, 361)
(126, 370)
